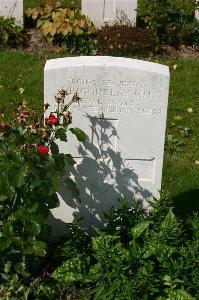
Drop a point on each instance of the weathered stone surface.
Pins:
(108, 11)
(123, 111)
(12, 8)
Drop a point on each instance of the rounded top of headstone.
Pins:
(85, 61)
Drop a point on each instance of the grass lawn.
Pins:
(181, 173)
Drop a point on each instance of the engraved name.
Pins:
(104, 92)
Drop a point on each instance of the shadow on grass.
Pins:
(187, 203)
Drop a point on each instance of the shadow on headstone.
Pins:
(101, 176)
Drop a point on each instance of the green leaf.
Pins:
(17, 178)
(33, 227)
(54, 148)
(21, 269)
(16, 156)
(72, 270)
(133, 248)
(80, 135)
(60, 162)
(61, 134)
(27, 248)
(15, 278)
(6, 188)
(4, 243)
(52, 200)
(2, 198)
(39, 248)
(179, 295)
(98, 291)
(169, 221)
(71, 185)
(139, 229)
(8, 230)
(7, 267)
(55, 185)
(34, 208)
(70, 159)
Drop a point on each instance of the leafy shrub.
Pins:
(64, 26)
(11, 34)
(160, 260)
(173, 20)
(126, 40)
(30, 178)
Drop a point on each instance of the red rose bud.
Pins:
(43, 149)
(52, 119)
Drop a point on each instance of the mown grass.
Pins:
(180, 173)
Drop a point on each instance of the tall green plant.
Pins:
(32, 171)
(160, 260)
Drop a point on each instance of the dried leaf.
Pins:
(81, 23)
(190, 110)
(178, 118)
(53, 30)
(21, 90)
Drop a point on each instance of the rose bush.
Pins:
(32, 171)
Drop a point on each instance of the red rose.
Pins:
(52, 119)
(43, 149)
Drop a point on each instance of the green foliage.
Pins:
(30, 178)
(177, 138)
(173, 144)
(10, 34)
(173, 20)
(64, 26)
(159, 261)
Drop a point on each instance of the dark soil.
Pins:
(185, 52)
(38, 43)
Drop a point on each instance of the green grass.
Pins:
(180, 173)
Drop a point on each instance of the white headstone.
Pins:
(12, 8)
(123, 111)
(107, 11)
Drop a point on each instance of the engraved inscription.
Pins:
(144, 94)
(110, 83)
(114, 109)
(121, 96)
